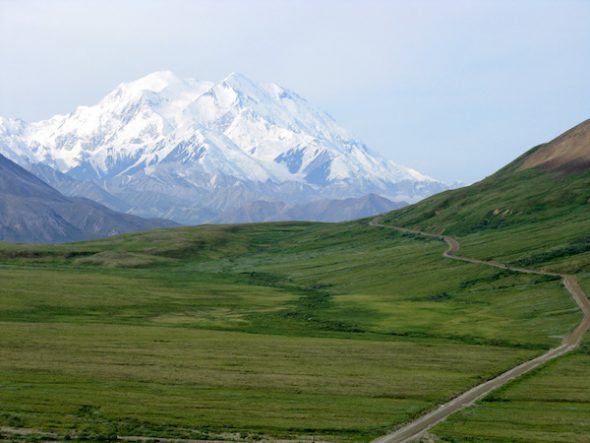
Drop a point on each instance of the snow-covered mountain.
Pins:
(189, 150)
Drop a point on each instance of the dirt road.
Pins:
(417, 428)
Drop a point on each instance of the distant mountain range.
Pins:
(32, 211)
(328, 210)
(197, 151)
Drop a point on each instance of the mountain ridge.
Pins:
(328, 210)
(33, 211)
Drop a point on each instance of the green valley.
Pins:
(303, 331)
(279, 330)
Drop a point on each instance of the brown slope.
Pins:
(570, 152)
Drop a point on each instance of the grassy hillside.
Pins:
(503, 201)
(546, 182)
(288, 330)
(534, 213)
(531, 216)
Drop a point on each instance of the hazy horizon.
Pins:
(453, 89)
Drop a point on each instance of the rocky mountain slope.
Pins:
(193, 150)
(32, 211)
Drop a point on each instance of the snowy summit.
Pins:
(189, 150)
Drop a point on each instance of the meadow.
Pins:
(334, 332)
(551, 404)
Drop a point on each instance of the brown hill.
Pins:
(570, 152)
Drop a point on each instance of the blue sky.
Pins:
(454, 89)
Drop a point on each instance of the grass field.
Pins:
(551, 404)
(340, 332)
(153, 380)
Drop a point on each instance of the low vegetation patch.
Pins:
(120, 259)
(577, 246)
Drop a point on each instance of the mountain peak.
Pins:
(236, 77)
(241, 84)
(187, 141)
(155, 82)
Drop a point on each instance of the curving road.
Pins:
(417, 428)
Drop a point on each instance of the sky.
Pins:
(455, 89)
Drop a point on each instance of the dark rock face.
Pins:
(33, 211)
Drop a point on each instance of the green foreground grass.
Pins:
(551, 404)
(340, 332)
(183, 382)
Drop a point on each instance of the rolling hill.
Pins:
(547, 184)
